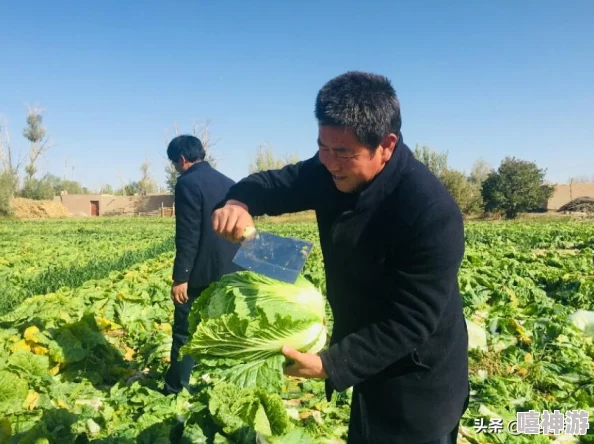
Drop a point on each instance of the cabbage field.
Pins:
(85, 333)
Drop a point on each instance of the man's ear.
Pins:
(388, 145)
(182, 160)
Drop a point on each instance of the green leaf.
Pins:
(29, 363)
(13, 392)
(263, 373)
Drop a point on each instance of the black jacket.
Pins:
(391, 256)
(202, 257)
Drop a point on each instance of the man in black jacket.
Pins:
(392, 240)
(201, 257)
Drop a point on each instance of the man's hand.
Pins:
(179, 292)
(305, 365)
(231, 221)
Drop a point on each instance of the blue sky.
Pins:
(478, 79)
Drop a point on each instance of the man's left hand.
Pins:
(179, 292)
(305, 365)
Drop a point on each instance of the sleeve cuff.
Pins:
(245, 195)
(181, 275)
(333, 363)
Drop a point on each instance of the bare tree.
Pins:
(171, 176)
(266, 160)
(10, 165)
(106, 189)
(34, 132)
(585, 178)
(8, 173)
(146, 184)
(479, 172)
(202, 132)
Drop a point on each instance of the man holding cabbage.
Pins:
(392, 239)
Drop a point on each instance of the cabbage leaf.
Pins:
(239, 324)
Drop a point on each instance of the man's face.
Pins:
(181, 165)
(178, 167)
(351, 163)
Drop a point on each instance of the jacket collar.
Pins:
(197, 166)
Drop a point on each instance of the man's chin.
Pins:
(343, 187)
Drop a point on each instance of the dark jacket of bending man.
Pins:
(201, 256)
(392, 239)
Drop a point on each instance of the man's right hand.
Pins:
(231, 220)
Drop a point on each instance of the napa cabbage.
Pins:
(239, 324)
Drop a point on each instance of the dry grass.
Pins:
(309, 216)
(304, 216)
(38, 209)
(550, 216)
(490, 361)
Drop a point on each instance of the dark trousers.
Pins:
(359, 428)
(178, 375)
(450, 438)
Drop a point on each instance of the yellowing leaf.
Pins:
(106, 325)
(31, 400)
(522, 372)
(512, 297)
(129, 356)
(30, 333)
(54, 370)
(62, 404)
(39, 350)
(20, 346)
(103, 323)
(525, 339)
(166, 327)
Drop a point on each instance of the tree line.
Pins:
(515, 186)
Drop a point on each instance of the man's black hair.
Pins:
(188, 146)
(363, 101)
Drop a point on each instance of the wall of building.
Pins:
(80, 204)
(123, 205)
(565, 193)
(110, 205)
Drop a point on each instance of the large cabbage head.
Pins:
(239, 324)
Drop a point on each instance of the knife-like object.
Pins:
(278, 257)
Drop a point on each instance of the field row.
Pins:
(84, 363)
(37, 257)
